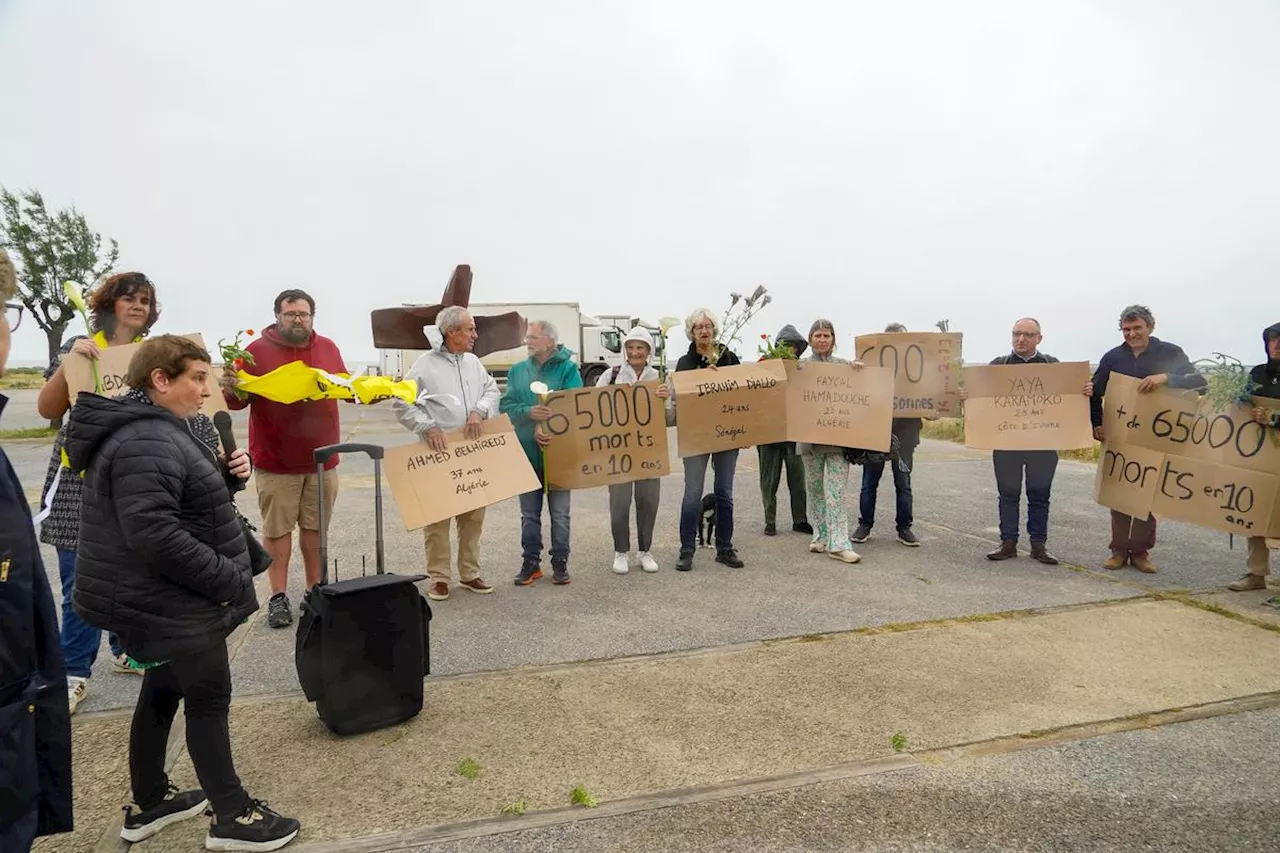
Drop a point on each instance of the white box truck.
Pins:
(595, 341)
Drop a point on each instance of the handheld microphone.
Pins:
(222, 423)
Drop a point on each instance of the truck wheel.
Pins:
(591, 374)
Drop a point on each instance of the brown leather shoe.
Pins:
(1041, 553)
(1007, 550)
(477, 585)
(1116, 561)
(438, 591)
(1143, 564)
(1248, 582)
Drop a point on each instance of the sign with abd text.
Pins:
(729, 407)
(925, 365)
(1027, 407)
(113, 364)
(429, 486)
(836, 404)
(606, 435)
(1167, 453)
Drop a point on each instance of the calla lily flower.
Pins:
(75, 296)
(539, 388)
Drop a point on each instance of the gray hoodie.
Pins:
(450, 387)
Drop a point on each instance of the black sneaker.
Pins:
(256, 828)
(278, 613)
(684, 563)
(176, 806)
(906, 537)
(770, 529)
(559, 575)
(730, 559)
(802, 527)
(862, 534)
(528, 575)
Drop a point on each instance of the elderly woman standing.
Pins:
(637, 346)
(826, 470)
(702, 328)
(122, 310)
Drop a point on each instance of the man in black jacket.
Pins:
(774, 457)
(1156, 363)
(1266, 378)
(1039, 465)
(163, 561)
(35, 723)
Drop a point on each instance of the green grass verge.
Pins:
(33, 432)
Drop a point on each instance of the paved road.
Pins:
(783, 591)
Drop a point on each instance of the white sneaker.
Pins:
(77, 689)
(817, 548)
(845, 556)
(621, 565)
(647, 562)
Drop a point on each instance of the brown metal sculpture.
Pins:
(401, 328)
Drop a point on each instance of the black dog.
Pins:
(707, 521)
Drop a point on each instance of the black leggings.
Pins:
(203, 679)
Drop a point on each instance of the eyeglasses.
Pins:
(296, 315)
(14, 306)
(1026, 334)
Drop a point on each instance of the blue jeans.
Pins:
(531, 527)
(80, 640)
(1040, 466)
(871, 474)
(695, 477)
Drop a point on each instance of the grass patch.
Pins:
(31, 432)
(22, 378)
(582, 797)
(952, 429)
(898, 742)
(468, 768)
(516, 808)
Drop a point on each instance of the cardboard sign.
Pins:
(727, 407)
(1166, 453)
(428, 486)
(838, 405)
(1027, 407)
(611, 434)
(113, 364)
(925, 366)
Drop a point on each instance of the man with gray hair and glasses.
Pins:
(454, 391)
(551, 364)
(1156, 363)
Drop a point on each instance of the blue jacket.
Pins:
(558, 373)
(35, 724)
(1159, 357)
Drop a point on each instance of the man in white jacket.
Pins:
(454, 390)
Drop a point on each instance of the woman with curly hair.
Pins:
(123, 308)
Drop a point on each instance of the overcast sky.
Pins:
(868, 162)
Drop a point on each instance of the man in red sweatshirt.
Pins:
(282, 438)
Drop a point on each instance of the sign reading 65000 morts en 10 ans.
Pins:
(606, 435)
(727, 407)
(926, 367)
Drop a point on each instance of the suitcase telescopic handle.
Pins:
(322, 455)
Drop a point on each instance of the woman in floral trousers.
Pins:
(825, 468)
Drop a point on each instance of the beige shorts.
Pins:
(293, 500)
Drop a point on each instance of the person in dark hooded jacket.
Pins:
(1266, 378)
(774, 456)
(163, 561)
(35, 723)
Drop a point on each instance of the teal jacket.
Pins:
(558, 373)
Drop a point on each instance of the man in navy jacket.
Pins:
(1156, 363)
(35, 750)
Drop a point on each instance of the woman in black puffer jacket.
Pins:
(163, 561)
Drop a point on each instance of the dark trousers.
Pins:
(695, 476)
(772, 458)
(558, 503)
(19, 835)
(1132, 536)
(871, 474)
(646, 493)
(203, 682)
(1040, 466)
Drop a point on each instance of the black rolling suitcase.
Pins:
(363, 644)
